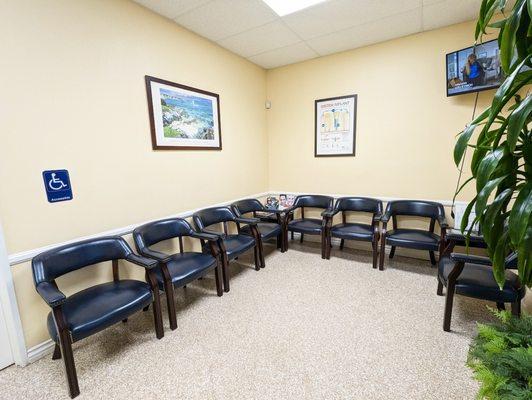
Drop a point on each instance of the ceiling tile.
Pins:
(222, 18)
(172, 8)
(283, 56)
(335, 15)
(259, 40)
(449, 12)
(373, 32)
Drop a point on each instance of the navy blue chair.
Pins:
(177, 270)
(309, 226)
(266, 227)
(351, 230)
(413, 238)
(93, 309)
(231, 245)
(472, 276)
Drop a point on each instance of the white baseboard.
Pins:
(41, 350)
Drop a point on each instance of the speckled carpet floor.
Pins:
(302, 328)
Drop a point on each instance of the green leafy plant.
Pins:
(501, 164)
(501, 358)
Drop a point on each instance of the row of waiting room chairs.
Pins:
(96, 308)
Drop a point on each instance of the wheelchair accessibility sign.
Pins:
(57, 185)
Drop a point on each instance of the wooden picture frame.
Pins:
(182, 117)
(335, 126)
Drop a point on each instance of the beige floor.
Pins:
(302, 328)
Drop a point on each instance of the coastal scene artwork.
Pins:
(335, 124)
(182, 117)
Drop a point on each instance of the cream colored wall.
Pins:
(73, 96)
(406, 125)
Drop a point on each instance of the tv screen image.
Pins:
(474, 69)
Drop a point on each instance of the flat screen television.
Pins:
(474, 69)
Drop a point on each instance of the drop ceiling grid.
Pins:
(252, 30)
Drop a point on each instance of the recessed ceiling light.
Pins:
(285, 7)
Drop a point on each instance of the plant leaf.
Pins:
(517, 121)
(483, 195)
(520, 215)
(499, 258)
(487, 166)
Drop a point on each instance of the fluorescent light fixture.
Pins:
(285, 7)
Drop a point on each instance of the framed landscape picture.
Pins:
(335, 126)
(183, 117)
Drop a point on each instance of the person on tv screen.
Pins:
(473, 71)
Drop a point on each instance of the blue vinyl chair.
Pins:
(309, 226)
(472, 276)
(231, 245)
(93, 309)
(267, 228)
(420, 239)
(353, 230)
(177, 270)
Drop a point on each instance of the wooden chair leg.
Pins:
(501, 306)
(292, 235)
(516, 308)
(257, 258)
(57, 352)
(279, 242)
(65, 343)
(439, 291)
(301, 238)
(375, 253)
(218, 279)
(261, 254)
(156, 304)
(170, 301)
(382, 253)
(341, 244)
(225, 272)
(124, 320)
(448, 307)
(328, 247)
(146, 308)
(392, 252)
(432, 258)
(323, 245)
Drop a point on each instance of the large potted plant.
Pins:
(501, 164)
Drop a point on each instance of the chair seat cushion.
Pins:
(353, 231)
(311, 226)
(267, 230)
(237, 244)
(187, 267)
(413, 238)
(98, 307)
(477, 281)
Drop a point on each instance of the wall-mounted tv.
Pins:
(474, 69)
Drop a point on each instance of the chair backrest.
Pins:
(361, 204)
(417, 208)
(211, 216)
(246, 206)
(314, 201)
(53, 263)
(157, 231)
